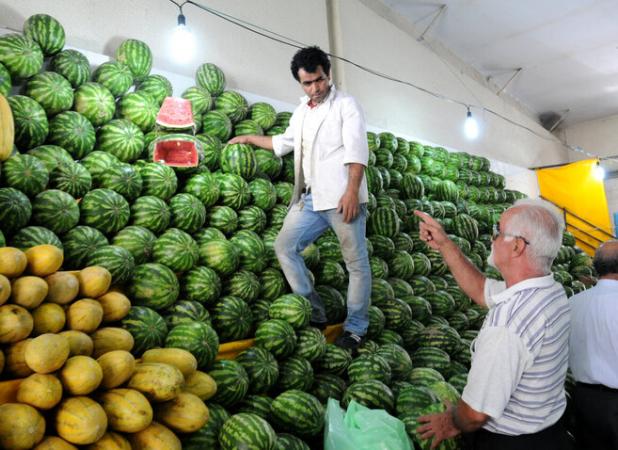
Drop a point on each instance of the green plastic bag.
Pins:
(361, 428)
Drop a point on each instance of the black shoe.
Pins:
(318, 325)
(349, 341)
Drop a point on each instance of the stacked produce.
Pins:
(193, 248)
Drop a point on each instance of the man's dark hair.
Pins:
(606, 260)
(309, 58)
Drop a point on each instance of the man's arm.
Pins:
(348, 204)
(468, 277)
(254, 139)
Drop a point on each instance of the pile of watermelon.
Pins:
(193, 247)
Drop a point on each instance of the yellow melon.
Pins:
(201, 384)
(16, 359)
(127, 410)
(94, 281)
(111, 441)
(21, 426)
(28, 291)
(79, 343)
(44, 259)
(80, 420)
(7, 129)
(5, 289)
(13, 262)
(15, 323)
(115, 305)
(186, 413)
(43, 391)
(155, 437)
(54, 443)
(81, 375)
(84, 315)
(182, 359)
(158, 382)
(118, 366)
(111, 338)
(48, 318)
(47, 352)
(63, 287)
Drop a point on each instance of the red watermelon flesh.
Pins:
(176, 152)
(175, 113)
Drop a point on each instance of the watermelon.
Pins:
(140, 108)
(153, 285)
(442, 303)
(26, 173)
(208, 435)
(220, 255)
(223, 218)
(398, 360)
(376, 322)
(201, 284)
(401, 264)
(55, 209)
(232, 318)
(188, 212)
(466, 227)
(232, 382)
(203, 186)
(261, 367)
(158, 180)
(256, 404)
(217, 124)
(431, 357)
(287, 441)
(277, 336)
(370, 393)
(21, 55)
(200, 98)
(248, 127)
(31, 126)
(388, 141)
(298, 412)
(5, 81)
(150, 212)
(104, 210)
(52, 91)
(32, 236)
(268, 163)
(369, 367)
(15, 210)
(252, 218)
(211, 146)
(295, 372)
(335, 360)
(293, 308)
(71, 178)
(311, 344)
(238, 159)
(147, 328)
(232, 104)
(117, 260)
(157, 86)
(175, 249)
(98, 163)
(208, 76)
(73, 132)
(264, 114)
(412, 398)
(373, 141)
(381, 291)
(137, 55)
(197, 338)
(326, 385)
(243, 284)
(384, 221)
(115, 76)
(79, 243)
(246, 430)
(136, 240)
(184, 311)
(72, 65)
(45, 31)
(95, 102)
(272, 284)
(331, 273)
(124, 179)
(388, 337)
(121, 138)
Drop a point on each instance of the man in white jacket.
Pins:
(328, 136)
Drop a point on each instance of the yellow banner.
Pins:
(574, 188)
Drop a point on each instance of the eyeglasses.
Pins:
(495, 232)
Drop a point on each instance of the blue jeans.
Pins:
(301, 227)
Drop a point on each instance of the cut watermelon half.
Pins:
(176, 150)
(175, 113)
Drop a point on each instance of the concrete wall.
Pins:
(346, 27)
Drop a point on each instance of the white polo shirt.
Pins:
(594, 335)
(520, 357)
(311, 124)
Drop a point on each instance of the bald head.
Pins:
(606, 258)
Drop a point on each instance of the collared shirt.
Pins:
(311, 124)
(340, 139)
(594, 334)
(520, 357)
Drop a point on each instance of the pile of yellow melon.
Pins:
(81, 385)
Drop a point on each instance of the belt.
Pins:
(306, 190)
(597, 387)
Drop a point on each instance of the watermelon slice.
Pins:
(176, 150)
(175, 113)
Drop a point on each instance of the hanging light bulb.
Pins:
(471, 126)
(183, 41)
(598, 172)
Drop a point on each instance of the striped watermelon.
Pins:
(233, 105)
(197, 338)
(116, 77)
(401, 288)
(298, 412)
(124, 179)
(207, 234)
(201, 284)
(158, 180)
(431, 357)
(442, 303)
(256, 404)
(98, 163)
(118, 260)
(147, 328)
(401, 264)
(412, 398)
(311, 344)
(252, 218)
(104, 210)
(327, 385)
(381, 291)
(15, 210)
(264, 114)
(200, 98)
(153, 285)
(137, 55)
(388, 141)
(331, 273)
(246, 430)
(140, 108)
(95, 102)
(71, 178)
(184, 311)
(295, 372)
(238, 159)
(136, 240)
(221, 256)
(293, 308)
(26, 173)
(373, 141)
(232, 382)
(45, 31)
(466, 227)
(397, 313)
(232, 319)
(73, 132)
(55, 209)
(285, 190)
(259, 308)
(79, 243)
(208, 435)
(251, 250)
(243, 284)
(72, 65)
(33, 236)
(287, 441)
(248, 127)
(371, 393)
(208, 76)
(376, 322)
(30, 121)
(150, 212)
(52, 91)
(383, 246)
(272, 284)
(384, 221)
(175, 249)
(21, 55)
(398, 359)
(384, 158)
(203, 186)
(223, 218)
(268, 163)
(121, 138)
(211, 146)
(5, 81)
(375, 183)
(389, 337)
(369, 367)
(277, 336)
(335, 360)
(157, 86)
(188, 212)
(261, 367)
(217, 124)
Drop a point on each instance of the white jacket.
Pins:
(341, 139)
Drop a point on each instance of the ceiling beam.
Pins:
(433, 21)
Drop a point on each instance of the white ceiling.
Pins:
(568, 49)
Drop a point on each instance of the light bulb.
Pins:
(471, 126)
(183, 42)
(598, 172)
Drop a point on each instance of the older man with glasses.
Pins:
(514, 397)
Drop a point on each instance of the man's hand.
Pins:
(240, 140)
(349, 206)
(438, 426)
(430, 231)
